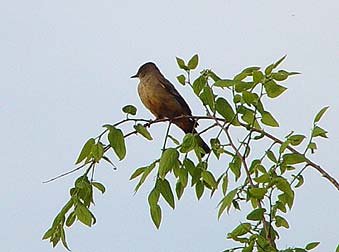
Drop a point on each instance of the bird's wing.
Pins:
(171, 89)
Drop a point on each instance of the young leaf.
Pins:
(296, 139)
(268, 119)
(99, 186)
(226, 83)
(137, 172)
(143, 131)
(312, 245)
(179, 189)
(279, 61)
(257, 193)
(199, 189)
(86, 150)
(320, 114)
(281, 222)
(155, 211)
(153, 197)
(168, 160)
(117, 142)
(193, 62)
(181, 64)
(208, 177)
(181, 78)
(129, 109)
(70, 219)
(240, 230)
(199, 84)
(146, 172)
(256, 214)
(225, 109)
(226, 202)
(189, 143)
(293, 158)
(165, 190)
(273, 89)
(317, 131)
(83, 214)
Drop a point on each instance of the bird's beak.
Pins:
(134, 76)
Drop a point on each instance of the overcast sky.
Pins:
(65, 68)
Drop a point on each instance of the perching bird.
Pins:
(164, 101)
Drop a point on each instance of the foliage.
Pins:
(266, 180)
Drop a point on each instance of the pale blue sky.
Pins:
(65, 68)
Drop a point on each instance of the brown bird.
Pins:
(164, 101)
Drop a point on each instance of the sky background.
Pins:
(65, 68)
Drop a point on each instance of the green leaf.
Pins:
(63, 239)
(97, 151)
(153, 197)
(117, 142)
(281, 222)
(189, 143)
(99, 186)
(337, 249)
(86, 150)
(146, 172)
(199, 84)
(312, 245)
(273, 89)
(207, 97)
(300, 179)
(225, 109)
(268, 119)
(256, 214)
(137, 172)
(165, 190)
(271, 156)
(257, 193)
(155, 211)
(320, 114)
(258, 77)
(179, 189)
(70, 219)
(235, 167)
(174, 139)
(226, 202)
(226, 83)
(317, 131)
(281, 75)
(208, 177)
(168, 160)
(296, 139)
(48, 233)
(250, 98)
(293, 158)
(182, 79)
(243, 86)
(193, 62)
(240, 230)
(268, 69)
(83, 214)
(224, 184)
(143, 131)
(279, 61)
(129, 109)
(199, 189)
(181, 63)
(312, 146)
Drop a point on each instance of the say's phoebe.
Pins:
(164, 101)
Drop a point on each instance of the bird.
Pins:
(162, 99)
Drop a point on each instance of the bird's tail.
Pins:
(188, 126)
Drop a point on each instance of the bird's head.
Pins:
(146, 69)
